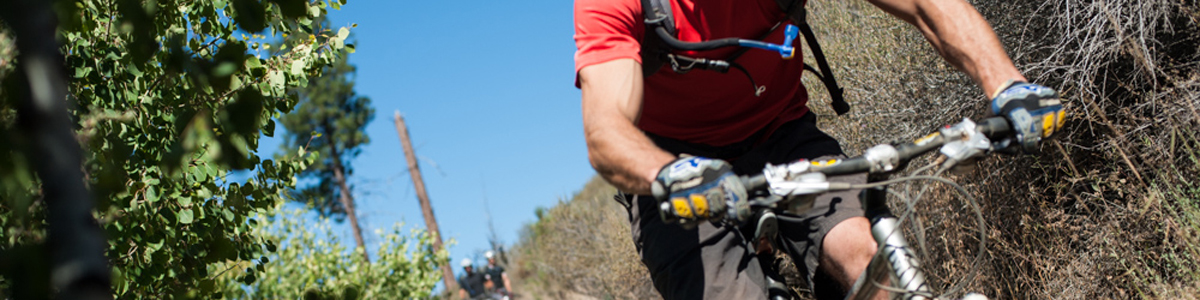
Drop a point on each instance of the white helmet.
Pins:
(466, 262)
(489, 254)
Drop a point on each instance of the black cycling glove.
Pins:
(1034, 111)
(694, 189)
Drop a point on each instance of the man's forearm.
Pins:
(961, 36)
(625, 157)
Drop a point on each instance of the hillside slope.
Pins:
(582, 246)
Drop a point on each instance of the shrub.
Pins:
(313, 263)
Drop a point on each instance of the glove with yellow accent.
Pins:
(1034, 111)
(695, 189)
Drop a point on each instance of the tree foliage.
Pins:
(313, 263)
(171, 96)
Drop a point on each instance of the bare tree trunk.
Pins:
(76, 245)
(427, 210)
(347, 200)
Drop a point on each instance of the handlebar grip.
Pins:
(754, 183)
(994, 127)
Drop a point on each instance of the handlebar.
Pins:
(887, 158)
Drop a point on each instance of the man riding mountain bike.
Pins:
(638, 124)
(471, 283)
(496, 275)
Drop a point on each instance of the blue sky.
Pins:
(486, 88)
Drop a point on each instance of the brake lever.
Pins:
(966, 146)
(965, 141)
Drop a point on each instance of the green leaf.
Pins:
(277, 81)
(269, 129)
(340, 41)
(200, 174)
(292, 8)
(185, 216)
(245, 111)
(228, 215)
(298, 68)
(151, 194)
(157, 245)
(254, 65)
(207, 285)
(133, 70)
(224, 69)
(250, 15)
(235, 83)
(82, 72)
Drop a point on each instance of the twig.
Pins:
(1070, 163)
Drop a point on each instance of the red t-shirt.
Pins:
(701, 106)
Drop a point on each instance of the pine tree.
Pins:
(331, 119)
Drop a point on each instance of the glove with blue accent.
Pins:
(1034, 111)
(695, 189)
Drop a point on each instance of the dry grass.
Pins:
(1110, 210)
(582, 246)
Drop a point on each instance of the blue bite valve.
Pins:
(789, 35)
(786, 49)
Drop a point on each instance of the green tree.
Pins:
(332, 118)
(170, 97)
(312, 263)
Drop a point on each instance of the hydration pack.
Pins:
(656, 51)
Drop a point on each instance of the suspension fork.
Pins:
(895, 251)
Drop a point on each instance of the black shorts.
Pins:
(714, 261)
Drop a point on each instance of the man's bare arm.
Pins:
(961, 36)
(612, 103)
(507, 285)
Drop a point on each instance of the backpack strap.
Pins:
(799, 16)
(654, 50)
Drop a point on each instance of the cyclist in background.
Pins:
(470, 284)
(638, 124)
(495, 273)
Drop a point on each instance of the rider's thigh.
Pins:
(706, 262)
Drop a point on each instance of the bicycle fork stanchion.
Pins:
(895, 251)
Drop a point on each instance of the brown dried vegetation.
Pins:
(582, 246)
